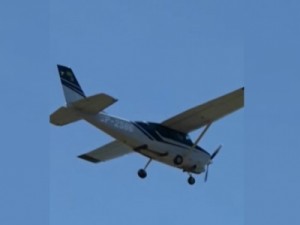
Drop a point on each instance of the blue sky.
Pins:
(158, 58)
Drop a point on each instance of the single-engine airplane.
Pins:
(167, 142)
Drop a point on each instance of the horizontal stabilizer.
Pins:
(107, 152)
(94, 104)
(89, 105)
(64, 116)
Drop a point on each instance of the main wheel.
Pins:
(178, 160)
(142, 173)
(191, 180)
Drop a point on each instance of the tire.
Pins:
(142, 173)
(191, 180)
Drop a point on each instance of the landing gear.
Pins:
(178, 160)
(191, 180)
(142, 172)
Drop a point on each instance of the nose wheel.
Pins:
(142, 172)
(191, 180)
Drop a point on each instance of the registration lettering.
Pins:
(122, 125)
(119, 124)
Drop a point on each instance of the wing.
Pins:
(107, 152)
(208, 112)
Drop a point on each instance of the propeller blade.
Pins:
(211, 158)
(216, 152)
(206, 174)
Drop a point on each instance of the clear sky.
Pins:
(158, 58)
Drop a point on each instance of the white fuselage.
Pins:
(163, 150)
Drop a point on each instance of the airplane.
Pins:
(167, 142)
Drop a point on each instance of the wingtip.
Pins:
(89, 158)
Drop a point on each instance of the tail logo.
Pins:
(68, 75)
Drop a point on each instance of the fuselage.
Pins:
(167, 142)
(154, 141)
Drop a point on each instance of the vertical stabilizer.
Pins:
(71, 87)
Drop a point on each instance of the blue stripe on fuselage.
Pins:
(151, 134)
(142, 130)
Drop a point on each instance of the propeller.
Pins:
(210, 162)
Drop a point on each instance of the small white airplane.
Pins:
(167, 142)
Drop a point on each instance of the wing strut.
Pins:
(202, 134)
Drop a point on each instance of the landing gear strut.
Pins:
(142, 172)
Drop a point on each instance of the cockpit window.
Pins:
(172, 134)
(156, 130)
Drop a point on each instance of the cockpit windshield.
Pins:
(171, 134)
(156, 130)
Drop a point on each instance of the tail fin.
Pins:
(71, 87)
(77, 102)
